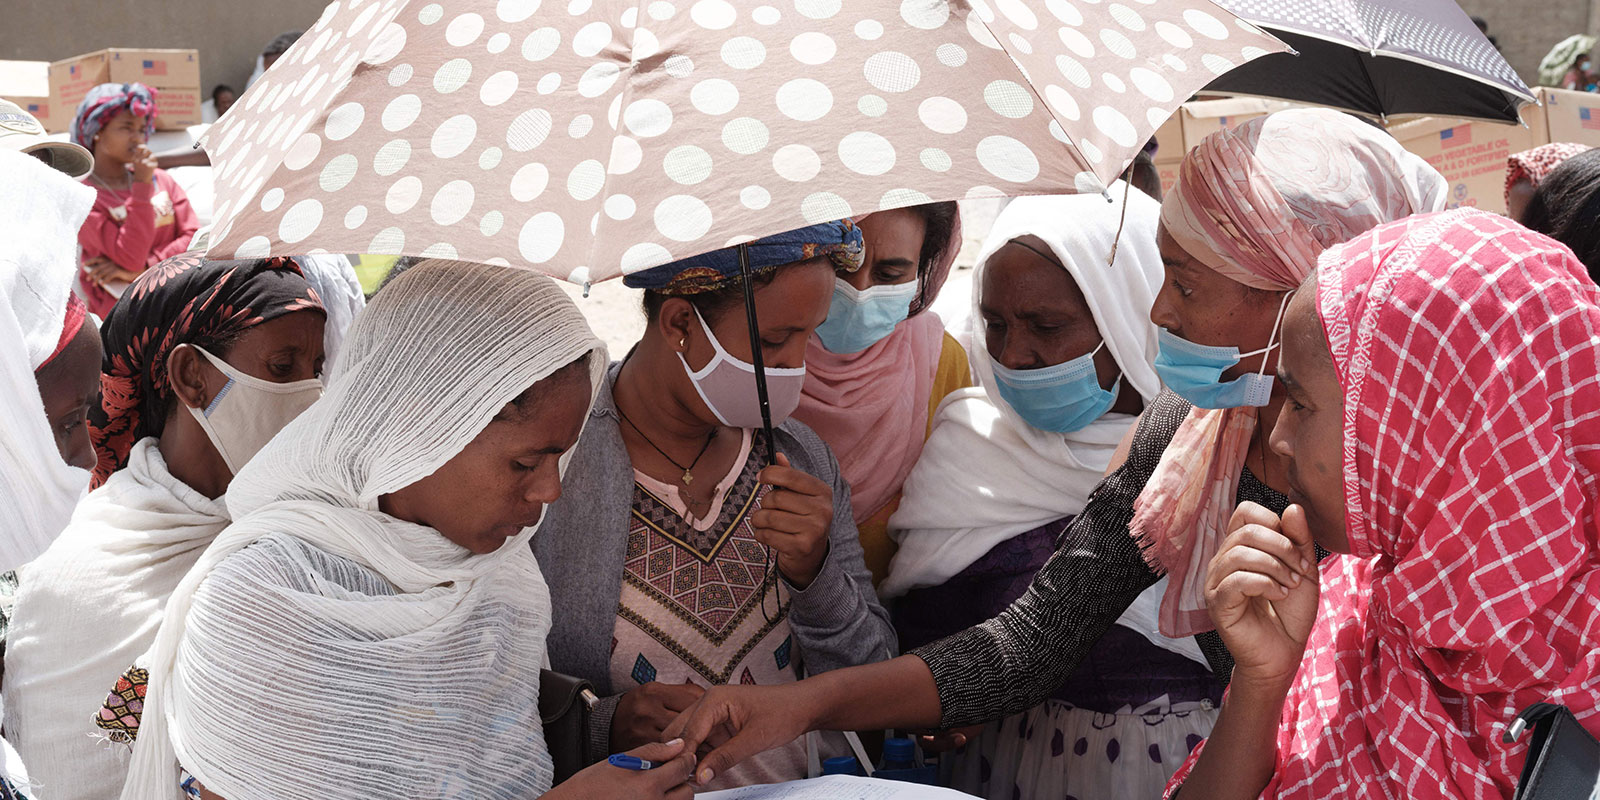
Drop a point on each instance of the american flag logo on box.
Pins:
(155, 67)
(73, 70)
(1457, 136)
(1587, 120)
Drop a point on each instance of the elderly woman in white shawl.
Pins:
(373, 622)
(1063, 351)
(49, 368)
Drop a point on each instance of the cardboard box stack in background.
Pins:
(27, 83)
(1197, 119)
(1472, 155)
(174, 74)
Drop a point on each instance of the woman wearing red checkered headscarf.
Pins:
(1450, 448)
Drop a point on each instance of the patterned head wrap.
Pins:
(839, 240)
(183, 300)
(1540, 161)
(72, 323)
(104, 101)
(1259, 203)
(1468, 351)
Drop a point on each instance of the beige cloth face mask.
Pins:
(249, 411)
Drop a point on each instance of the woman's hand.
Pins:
(794, 520)
(1262, 589)
(144, 165)
(947, 740)
(669, 781)
(644, 713)
(103, 270)
(738, 722)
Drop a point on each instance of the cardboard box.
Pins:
(1201, 118)
(174, 74)
(27, 83)
(1167, 168)
(1565, 116)
(1471, 155)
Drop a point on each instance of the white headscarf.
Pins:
(986, 475)
(335, 281)
(40, 213)
(264, 691)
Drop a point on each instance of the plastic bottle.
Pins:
(842, 765)
(899, 764)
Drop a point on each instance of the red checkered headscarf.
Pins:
(1468, 349)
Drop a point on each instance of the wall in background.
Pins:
(228, 33)
(1527, 29)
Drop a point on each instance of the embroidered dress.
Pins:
(700, 603)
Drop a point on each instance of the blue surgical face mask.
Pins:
(1194, 371)
(1063, 398)
(860, 318)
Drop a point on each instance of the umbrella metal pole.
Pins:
(755, 352)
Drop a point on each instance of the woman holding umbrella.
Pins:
(688, 550)
(877, 369)
(1252, 209)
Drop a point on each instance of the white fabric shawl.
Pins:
(40, 213)
(985, 475)
(335, 282)
(88, 608)
(266, 687)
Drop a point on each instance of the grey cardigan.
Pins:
(837, 620)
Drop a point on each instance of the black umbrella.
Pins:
(1378, 57)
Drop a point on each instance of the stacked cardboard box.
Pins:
(27, 83)
(1472, 155)
(174, 74)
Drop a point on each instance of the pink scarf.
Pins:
(1468, 350)
(871, 407)
(1258, 204)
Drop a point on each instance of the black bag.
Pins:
(564, 706)
(1563, 759)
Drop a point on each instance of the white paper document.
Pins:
(837, 787)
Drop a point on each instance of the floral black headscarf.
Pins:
(186, 299)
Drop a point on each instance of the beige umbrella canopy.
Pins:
(588, 139)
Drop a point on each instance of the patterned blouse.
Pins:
(701, 601)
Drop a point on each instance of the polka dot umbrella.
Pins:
(587, 139)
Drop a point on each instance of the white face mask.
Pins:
(249, 411)
(728, 386)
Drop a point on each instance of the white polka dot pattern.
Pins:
(597, 137)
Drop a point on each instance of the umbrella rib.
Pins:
(1072, 148)
(1487, 81)
(605, 180)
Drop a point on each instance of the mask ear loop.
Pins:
(1277, 331)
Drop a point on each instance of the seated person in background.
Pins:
(373, 624)
(142, 216)
(1527, 169)
(222, 97)
(880, 364)
(677, 558)
(204, 362)
(1441, 435)
(49, 356)
(270, 54)
(1566, 207)
(1064, 353)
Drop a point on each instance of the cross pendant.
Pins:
(687, 478)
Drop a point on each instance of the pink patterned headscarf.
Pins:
(1258, 204)
(1540, 161)
(1468, 352)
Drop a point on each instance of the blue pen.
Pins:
(636, 763)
